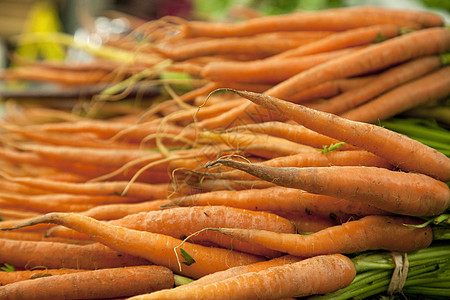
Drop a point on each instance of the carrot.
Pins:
(92, 284)
(349, 38)
(280, 199)
(432, 87)
(266, 70)
(275, 146)
(39, 236)
(54, 255)
(193, 219)
(330, 89)
(157, 248)
(317, 275)
(368, 233)
(398, 192)
(293, 132)
(399, 150)
(142, 190)
(389, 79)
(16, 276)
(333, 20)
(8, 214)
(67, 77)
(255, 267)
(256, 46)
(309, 223)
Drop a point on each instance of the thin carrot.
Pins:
(268, 70)
(397, 149)
(349, 38)
(398, 192)
(157, 248)
(368, 233)
(317, 275)
(155, 191)
(306, 224)
(330, 89)
(39, 236)
(193, 219)
(280, 199)
(334, 20)
(258, 46)
(424, 90)
(387, 80)
(54, 255)
(16, 276)
(92, 284)
(8, 214)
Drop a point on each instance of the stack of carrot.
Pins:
(235, 194)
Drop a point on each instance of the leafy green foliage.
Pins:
(331, 147)
(189, 260)
(7, 268)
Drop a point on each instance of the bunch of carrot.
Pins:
(231, 194)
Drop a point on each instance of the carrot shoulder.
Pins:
(398, 192)
(399, 150)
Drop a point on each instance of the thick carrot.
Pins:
(424, 90)
(16, 276)
(317, 275)
(54, 255)
(398, 192)
(368, 233)
(266, 70)
(222, 275)
(193, 219)
(389, 79)
(350, 38)
(157, 248)
(93, 284)
(399, 150)
(334, 20)
(280, 199)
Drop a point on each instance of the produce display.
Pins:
(303, 155)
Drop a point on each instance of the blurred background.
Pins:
(96, 21)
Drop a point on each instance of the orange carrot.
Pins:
(330, 89)
(157, 248)
(306, 224)
(259, 266)
(93, 284)
(54, 255)
(256, 46)
(280, 199)
(317, 275)
(266, 70)
(368, 233)
(389, 79)
(399, 150)
(350, 38)
(424, 90)
(193, 219)
(142, 190)
(398, 192)
(16, 276)
(334, 20)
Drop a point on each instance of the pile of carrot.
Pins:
(263, 180)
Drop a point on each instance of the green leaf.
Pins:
(331, 147)
(7, 268)
(189, 260)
